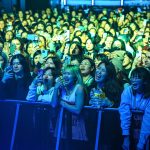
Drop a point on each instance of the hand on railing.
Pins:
(100, 103)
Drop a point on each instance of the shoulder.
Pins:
(128, 89)
(79, 88)
(51, 90)
(127, 93)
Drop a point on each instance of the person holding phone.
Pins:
(42, 86)
(41, 90)
(16, 79)
(16, 47)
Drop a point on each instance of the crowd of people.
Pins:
(79, 57)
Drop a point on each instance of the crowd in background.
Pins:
(78, 57)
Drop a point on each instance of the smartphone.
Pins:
(9, 69)
(67, 60)
(18, 35)
(67, 35)
(145, 22)
(125, 30)
(44, 53)
(9, 27)
(36, 38)
(105, 35)
(12, 48)
(40, 73)
(32, 37)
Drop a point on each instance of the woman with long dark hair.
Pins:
(107, 92)
(16, 79)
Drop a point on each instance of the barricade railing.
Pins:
(99, 131)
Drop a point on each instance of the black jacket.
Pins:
(15, 89)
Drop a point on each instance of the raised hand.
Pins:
(8, 74)
(58, 82)
(37, 80)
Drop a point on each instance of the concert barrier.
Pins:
(102, 126)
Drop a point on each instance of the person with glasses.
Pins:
(136, 97)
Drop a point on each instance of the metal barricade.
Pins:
(104, 126)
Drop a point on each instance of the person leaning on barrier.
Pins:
(41, 90)
(68, 90)
(42, 87)
(107, 92)
(69, 93)
(137, 97)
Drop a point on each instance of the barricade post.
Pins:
(15, 126)
(59, 127)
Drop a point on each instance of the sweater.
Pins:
(16, 89)
(130, 101)
(46, 95)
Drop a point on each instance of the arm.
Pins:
(32, 93)
(55, 96)
(125, 117)
(32, 96)
(145, 128)
(47, 97)
(99, 100)
(5, 85)
(124, 110)
(2, 90)
(79, 102)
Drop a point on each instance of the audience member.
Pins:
(136, 97)
(16, 79)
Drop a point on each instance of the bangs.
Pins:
(72, 68)
(139, 73)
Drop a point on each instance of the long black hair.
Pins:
(25, 65)
(111, 87)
